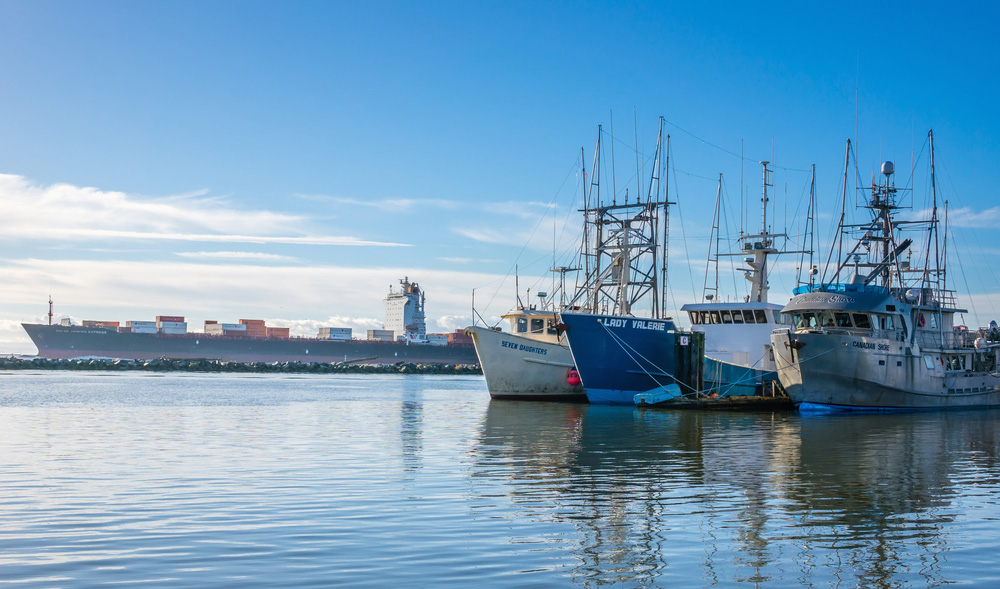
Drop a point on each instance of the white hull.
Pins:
(518, 367)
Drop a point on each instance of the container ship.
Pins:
(404, 338)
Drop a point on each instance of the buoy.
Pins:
(921, 321)
(572, 377)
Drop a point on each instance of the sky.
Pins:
(290, 161)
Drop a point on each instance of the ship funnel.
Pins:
(888, 168)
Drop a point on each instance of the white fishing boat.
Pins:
(530, 361)
(738, 356)
(886, 337)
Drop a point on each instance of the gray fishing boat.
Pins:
(886, 338)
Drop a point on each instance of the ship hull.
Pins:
(823, 372)
(516, 367)
(62, 342)
(620, 357)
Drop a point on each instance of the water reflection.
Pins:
(746, 498)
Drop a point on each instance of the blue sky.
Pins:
(289, 161)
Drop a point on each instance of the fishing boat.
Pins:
(886, 337)
(738, 356)
(530, 361)
(628, 271)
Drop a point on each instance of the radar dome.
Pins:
(888, 168)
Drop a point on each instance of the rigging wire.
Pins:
(724, 150)
(524, 246)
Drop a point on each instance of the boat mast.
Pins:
(757, 275)
(810, 232)
(50, 309)
(840, 223)
(934, 228)
(666, 222)
(713, 234)
(628, 235)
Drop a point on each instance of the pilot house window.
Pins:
(522, 325)
(537, 325)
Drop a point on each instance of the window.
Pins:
(885, 323)
(826, 318)
(809, 320)
(737, 316)
(861, 320)
(715, 317)
(748, 316)
(550, 327)
(704, 317)
(759, 315)
(537, 325)
(842, 319)
(726, 317)
(522, 325)
(777, 316)
(694, 317)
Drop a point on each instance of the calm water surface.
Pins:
(242, 481)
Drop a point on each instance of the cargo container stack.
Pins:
(216, 328)
(112, 324)
(254, 327)
(336, 333)
(382, 335)
(279, 332)
(141, 326)
(171, 325)
(459, 338)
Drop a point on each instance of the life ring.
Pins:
(921, 321)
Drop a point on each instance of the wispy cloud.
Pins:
(397, 205)
(964, 217)
(62, 212)
(255, 256)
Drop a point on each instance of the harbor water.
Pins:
(250, 480)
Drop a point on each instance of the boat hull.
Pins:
(518, 367)
(620, 357)
(732, 380)
(62, 342)
(829, 372)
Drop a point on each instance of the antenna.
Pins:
(50, 308)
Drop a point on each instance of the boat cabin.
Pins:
(860, 310)
(534, 324)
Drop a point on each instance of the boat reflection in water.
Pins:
(682, 497)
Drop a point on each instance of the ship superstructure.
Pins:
(404, 312)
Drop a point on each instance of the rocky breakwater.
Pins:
(164, 365)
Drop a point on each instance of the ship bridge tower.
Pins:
(404, 312)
